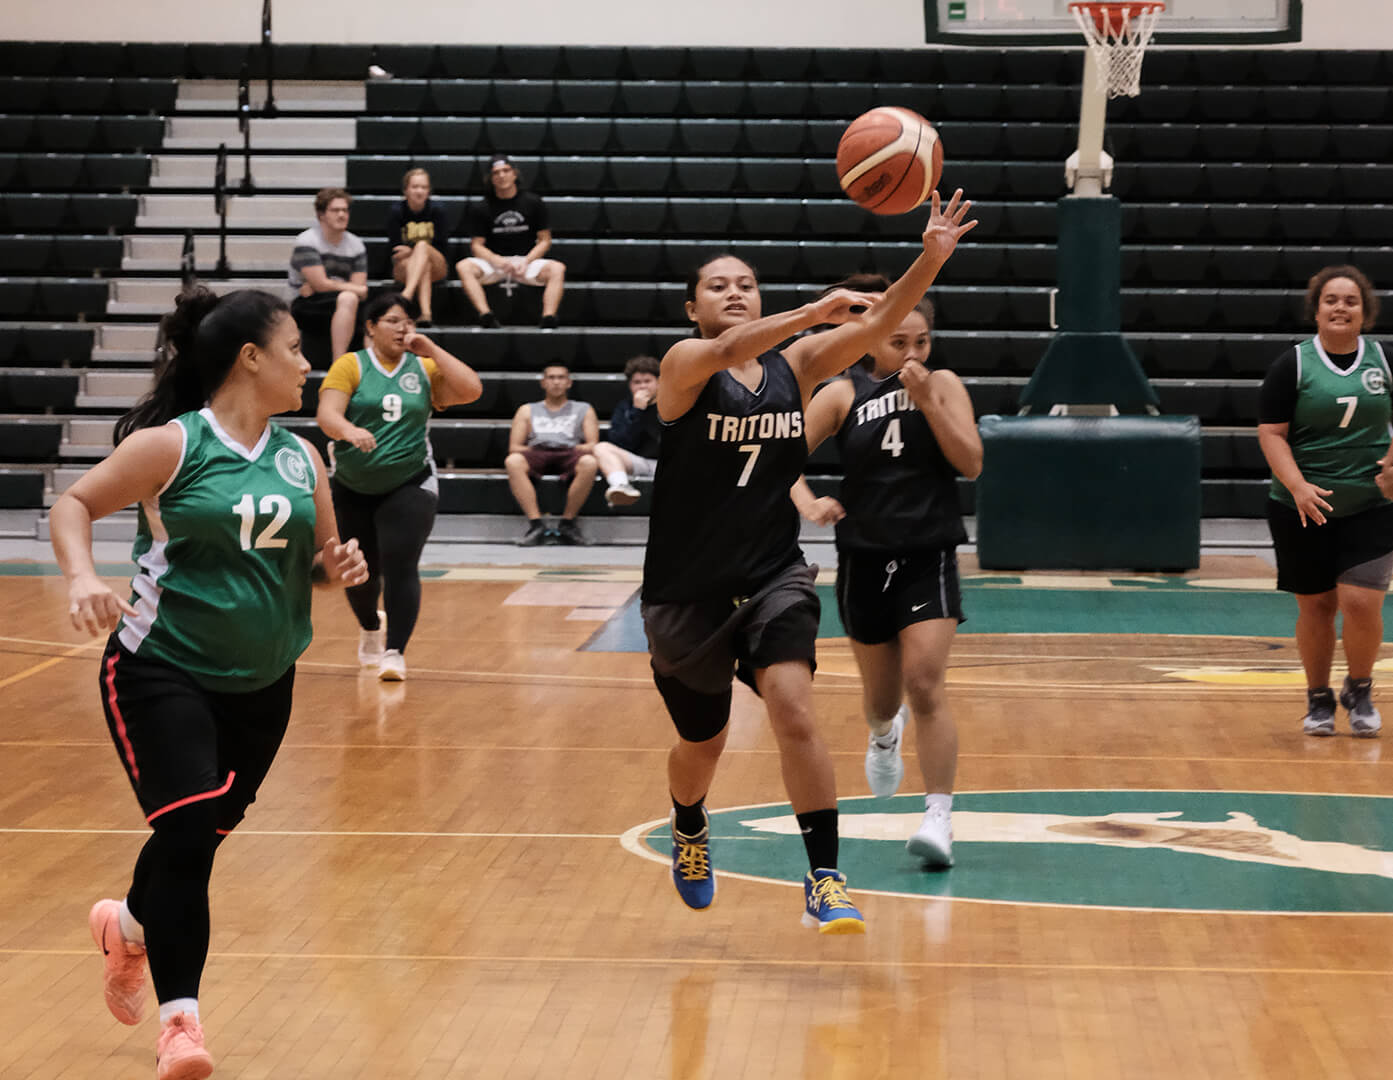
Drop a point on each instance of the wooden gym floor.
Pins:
(433, 882)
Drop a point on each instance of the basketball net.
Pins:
(1117, 35)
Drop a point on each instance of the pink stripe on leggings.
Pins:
(193, 798)
(126, 748)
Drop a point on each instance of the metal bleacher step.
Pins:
(155, 296)
(245, 254)
(267, 170)
(294, 212)
(211, 95)
(275, 133)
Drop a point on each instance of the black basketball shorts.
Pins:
(879, 593)
(704, 642)
(1352, 550)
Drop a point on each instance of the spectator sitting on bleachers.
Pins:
(329, 273)
(418, 231)
(510, 234)
(556, 437)
(631, 451)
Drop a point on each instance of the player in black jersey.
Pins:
(905, 433)
(725, 587)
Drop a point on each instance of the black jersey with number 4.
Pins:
(899, 491)
(722, 521)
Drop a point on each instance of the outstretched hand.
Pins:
(343, 563)
(946, 226)
(842, 305)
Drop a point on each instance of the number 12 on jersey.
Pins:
(278, 505)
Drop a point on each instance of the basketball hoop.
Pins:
(1117, 35)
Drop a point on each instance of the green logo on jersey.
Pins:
(1181, 850)
(410, 383)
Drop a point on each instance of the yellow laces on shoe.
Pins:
(831, 893)
(693, 861)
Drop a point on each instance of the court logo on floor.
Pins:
(1174, 850)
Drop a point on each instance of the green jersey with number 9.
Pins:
(395, 407)
(224, 553)
(1340, 426)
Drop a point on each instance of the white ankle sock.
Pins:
(618, 478)
(939, 798)
(130, 929)
(187, 1006)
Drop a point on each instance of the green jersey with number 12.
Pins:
(224, 553)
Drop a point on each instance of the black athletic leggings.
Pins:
(392, 530)
(195, 759)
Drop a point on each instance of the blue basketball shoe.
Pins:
(691, 865)
(827, 905)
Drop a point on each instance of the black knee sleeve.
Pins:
(697, 716)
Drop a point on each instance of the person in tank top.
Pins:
(552, 437)
(725, 588)
(376, 404)
(905, 433)
(1323, 427)
(235, 523)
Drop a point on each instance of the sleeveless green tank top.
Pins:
(224, 553)
(395, 406)
(1340, 427)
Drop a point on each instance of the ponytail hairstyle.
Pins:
(197, 345)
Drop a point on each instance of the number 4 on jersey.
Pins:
(892, 440)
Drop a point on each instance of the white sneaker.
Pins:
(623, 495)
(371, 643)
(392, 667)
(884, 766)
(933, 843)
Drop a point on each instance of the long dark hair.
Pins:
(198, 343)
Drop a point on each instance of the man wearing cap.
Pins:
(510, 235)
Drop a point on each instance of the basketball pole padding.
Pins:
(1091, 491)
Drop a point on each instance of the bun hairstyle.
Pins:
(197, 345)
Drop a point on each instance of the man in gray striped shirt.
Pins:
(329, 273)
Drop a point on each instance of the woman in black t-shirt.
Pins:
(419, 232)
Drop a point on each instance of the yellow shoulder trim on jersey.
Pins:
(344, 374)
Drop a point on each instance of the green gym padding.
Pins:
(1089, 493)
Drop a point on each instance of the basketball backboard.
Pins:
(1008, 23)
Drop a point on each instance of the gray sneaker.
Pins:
(1364, 720)
(568, 532)
(1320, 712)
(535, 534)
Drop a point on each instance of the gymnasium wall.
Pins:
(1361, 24)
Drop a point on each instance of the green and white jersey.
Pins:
(395, 406)
(1340, 425)
(224, 554)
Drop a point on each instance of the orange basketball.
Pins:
(889, 160)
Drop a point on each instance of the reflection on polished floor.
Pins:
(451, 877)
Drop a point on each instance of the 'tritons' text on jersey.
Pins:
(722, 521)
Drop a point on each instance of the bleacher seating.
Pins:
(1240, 174)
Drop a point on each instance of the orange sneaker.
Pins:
(180, 1054)
(125, 962)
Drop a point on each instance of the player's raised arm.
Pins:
(820, 356)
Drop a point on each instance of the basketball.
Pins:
(889, 160)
